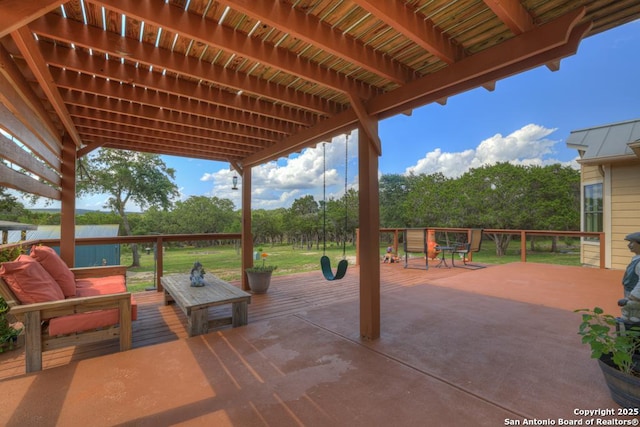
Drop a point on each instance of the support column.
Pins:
(369, 218)
(68, 202)
(247, 237)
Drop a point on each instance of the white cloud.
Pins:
(279, 184)
(526, 146)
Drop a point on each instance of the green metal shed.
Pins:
(86, 255)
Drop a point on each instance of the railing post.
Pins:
(159, 259)
(395, 242)
(523, 246)
(602, 250)
(357, 246)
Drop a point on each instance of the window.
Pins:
(592, 209)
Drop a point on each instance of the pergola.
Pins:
(247, 82)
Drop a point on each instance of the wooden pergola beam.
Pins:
(192, 26)
(500, 61)
(513, 14)
(415, 27)
(368, 123)
(29, 50)
(69, 62)
(311, 30)
(18, 13)
(58, 28)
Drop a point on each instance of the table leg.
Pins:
(198, 322)
(443, 259)
(239, 313)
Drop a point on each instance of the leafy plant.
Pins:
(599, 331)
(10, 254)
(8, 333)
(262, 268)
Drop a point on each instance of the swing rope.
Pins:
(325, 262)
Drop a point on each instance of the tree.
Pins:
(10, 208)
(127, 176)
(201, 214)
(428, 201)
(496, 196)
(303, 219)
(393, 191)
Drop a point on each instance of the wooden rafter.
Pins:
(117, 72)
(415, 27)
(18, 13)
(57, 28)
(311, 30)
(513, 14)
(195, 27)
(29, 49)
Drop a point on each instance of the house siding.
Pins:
(625, 210)
(590, 251)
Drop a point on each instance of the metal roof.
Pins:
(53, 232)
(11, 225)
(607, 143)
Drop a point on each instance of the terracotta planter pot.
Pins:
(259, 281)
(624, 388)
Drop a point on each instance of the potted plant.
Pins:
(8, 332)
(615, 345)
(260, 276)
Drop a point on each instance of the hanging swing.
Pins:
(325, 261)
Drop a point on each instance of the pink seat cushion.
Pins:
(86, 321)
(29, 281)
(57, 268)
(88, 287)
(83, 322)
(105, 286)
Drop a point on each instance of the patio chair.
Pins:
(472, 245)
(62, 307)
(415, 241)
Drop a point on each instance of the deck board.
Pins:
(287, 295)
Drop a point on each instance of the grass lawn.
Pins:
(224, 261)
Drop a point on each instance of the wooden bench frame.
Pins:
(195, 301)
(38, 341)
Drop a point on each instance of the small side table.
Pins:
(443, 252)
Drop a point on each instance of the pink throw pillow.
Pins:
(56, 267)
(29, 281)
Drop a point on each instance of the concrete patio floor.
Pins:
(481, 348)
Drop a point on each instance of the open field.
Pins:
(224, 260)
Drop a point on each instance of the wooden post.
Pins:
(395, 242)
(247, 237)
(357, 246)
(68, 202)
(602, 250)
(159, 254)
(369, 218)
(523, 246)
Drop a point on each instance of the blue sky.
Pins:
(526, 120)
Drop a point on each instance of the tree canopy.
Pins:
(127, 176)
(500, 196)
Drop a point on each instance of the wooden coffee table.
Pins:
(195, 301)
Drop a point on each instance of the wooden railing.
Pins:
(158, 240)
(522, 233)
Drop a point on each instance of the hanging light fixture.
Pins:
(235, 182)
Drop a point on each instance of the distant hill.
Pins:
(57, 210)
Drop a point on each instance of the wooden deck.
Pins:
(296, 293)
(458, 347)
(287, 295)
